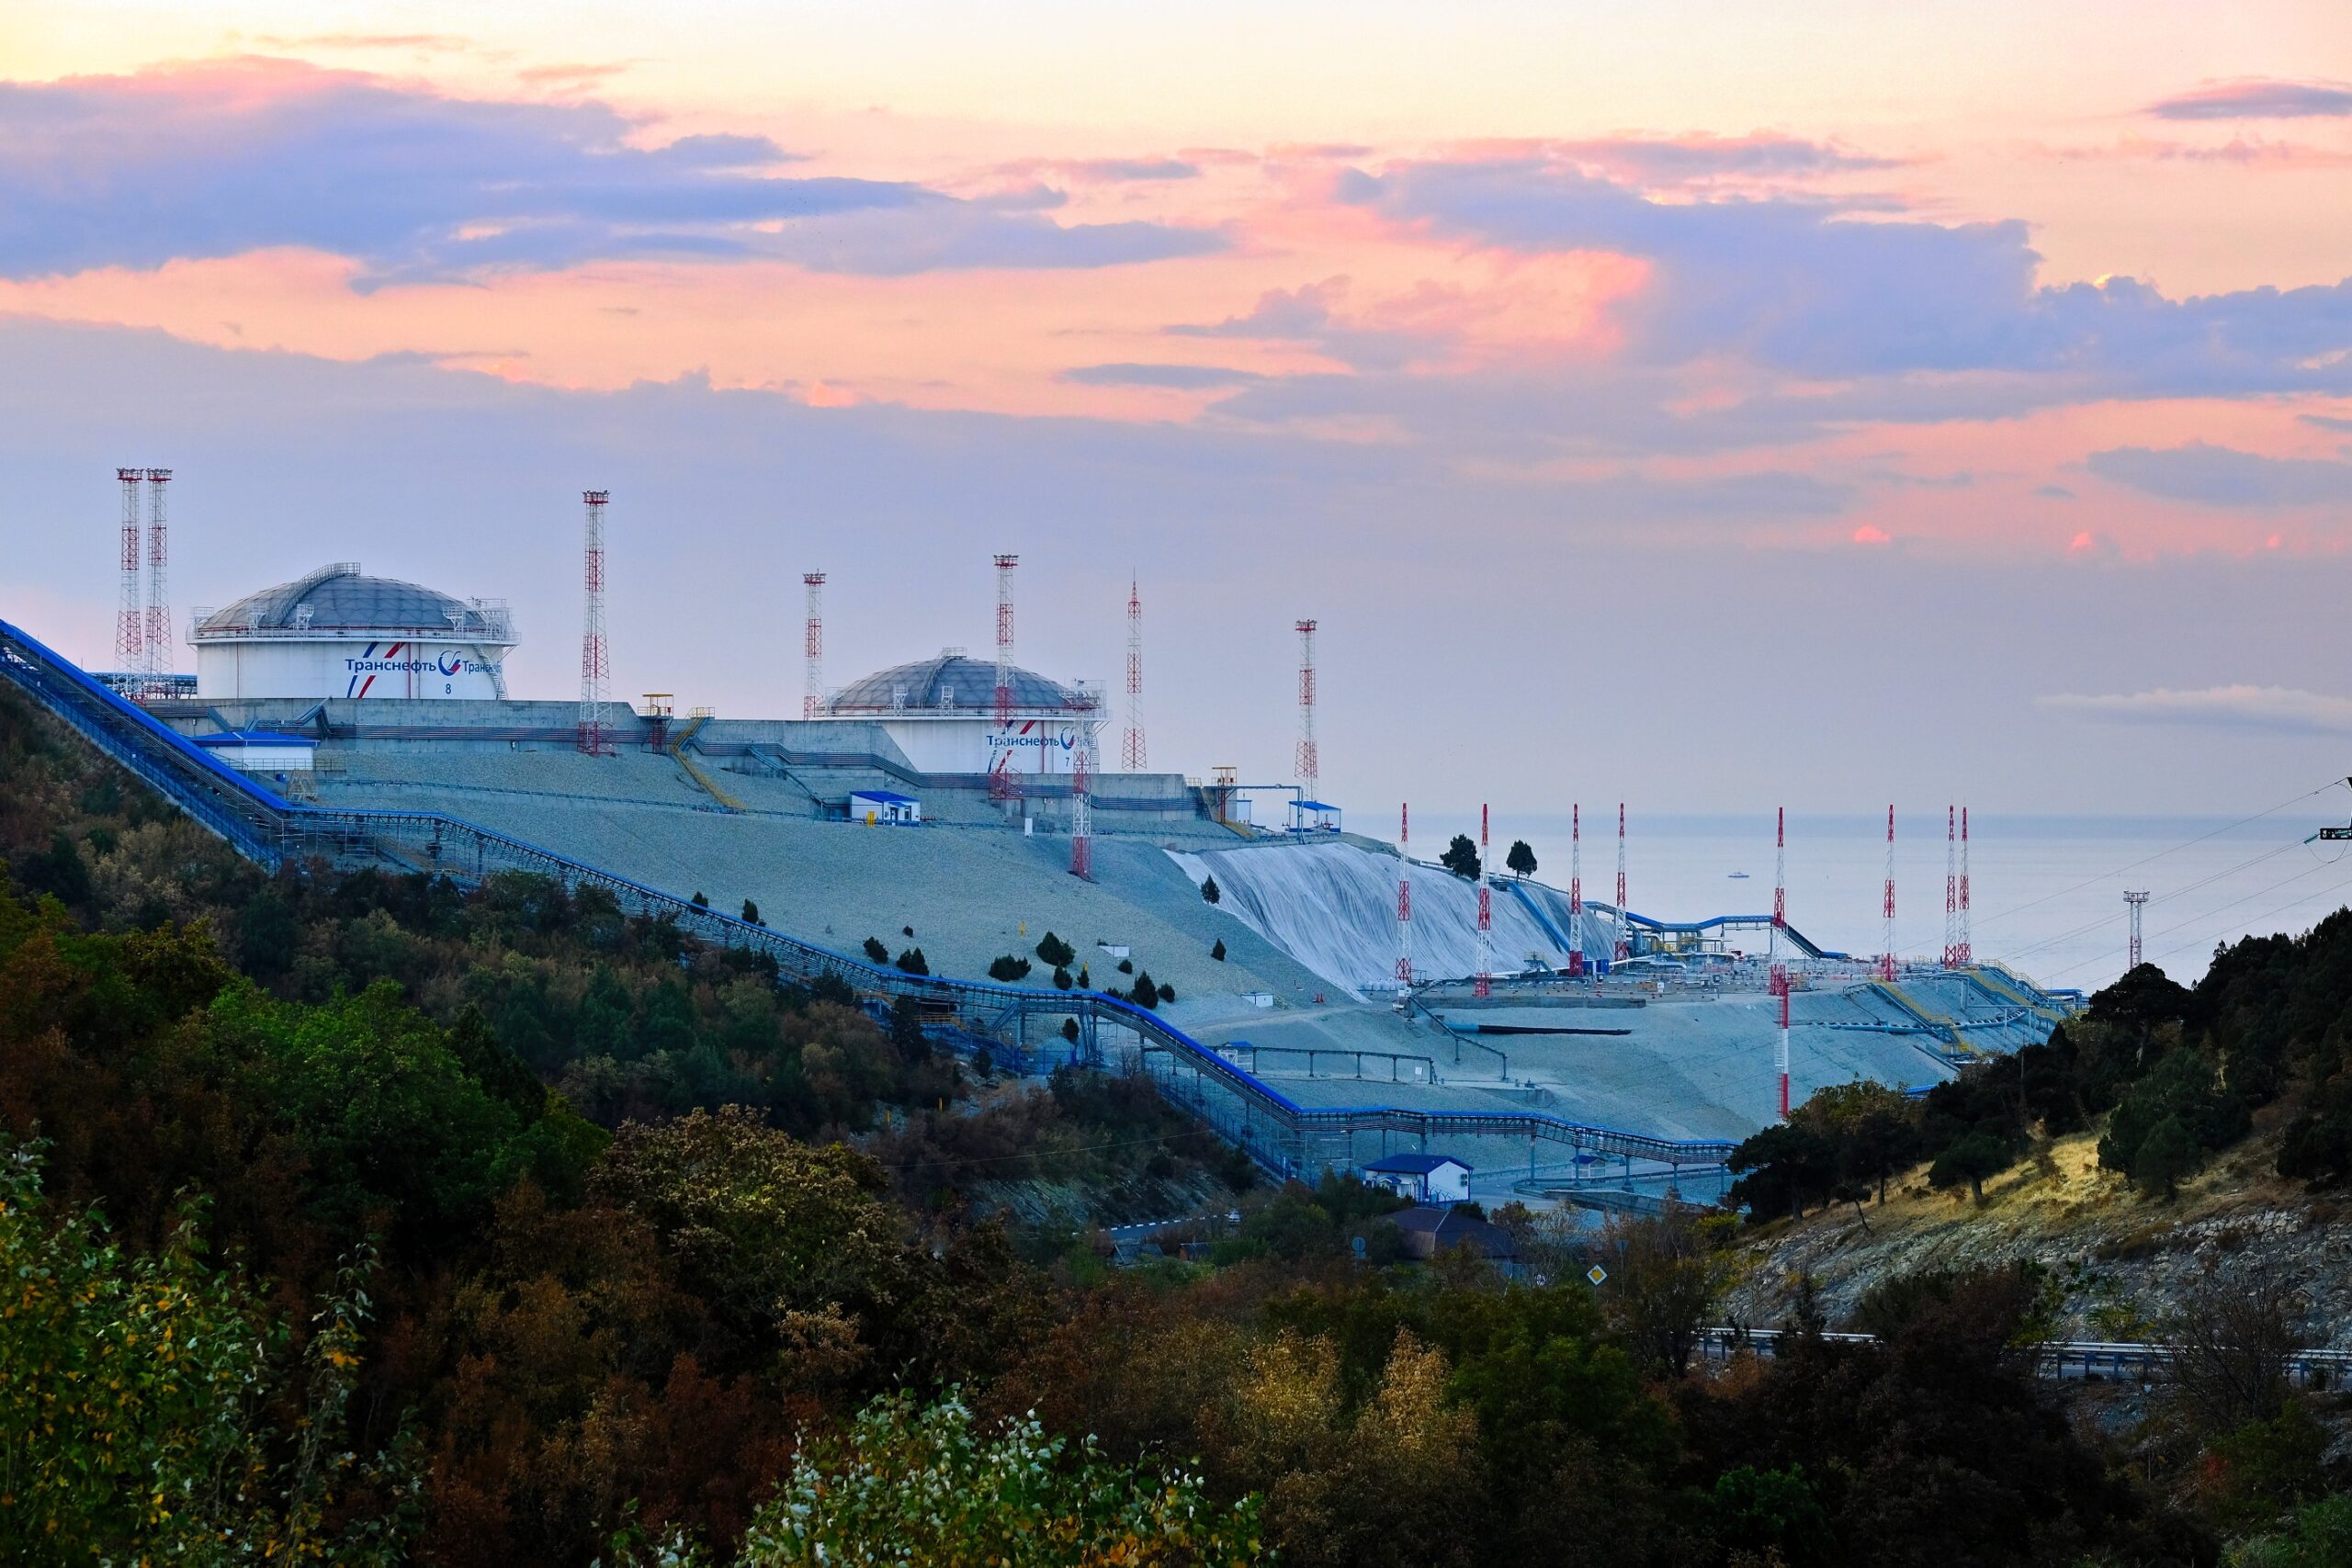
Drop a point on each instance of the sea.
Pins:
(2046, 892)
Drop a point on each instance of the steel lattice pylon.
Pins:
(1131, 744)
(130, 615)
(812, 645)
(595, 667)
(1004, 784)
(158, 663)
(1307, 763)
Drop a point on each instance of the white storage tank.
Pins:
(339, 633)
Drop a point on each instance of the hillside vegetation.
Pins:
(367, 1219)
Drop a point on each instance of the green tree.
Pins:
(1053, 951)
(791, 1245)
(134, 1414)
(2167, 1154)
(929, 1483)
(701, 900)
(1217, 951)
(1974, 1159)
(1520, 859)
(1461, 857)
(751, 914)
(1008, 968)
(875, 951)
(1666, 1274)
(1145, 993)
(906, 1029)
(913, 962)
(1209, 890)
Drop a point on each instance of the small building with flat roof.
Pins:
(884, 808)
(1425, 1179)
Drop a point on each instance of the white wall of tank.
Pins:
(345, 667)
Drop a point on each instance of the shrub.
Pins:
(751, 913)
(1127, 966)
(1061, 979)
(1217, 951)
(701, 900)
(912, 960)
(1052, 950)
(1209, 890)
(875, 951)
(931, 1484)
(1971, 1159)
(1009, 968)
(1145, 994)
(1070, 1030)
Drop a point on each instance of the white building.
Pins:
(941, 713)
(337, 633)
(1425, 1179)
(877, 807)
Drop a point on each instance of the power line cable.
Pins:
(2150, 859)
(2099, 920)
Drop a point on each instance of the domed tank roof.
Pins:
(341, 599)
(950, 680)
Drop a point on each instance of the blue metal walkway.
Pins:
(1281, 1134)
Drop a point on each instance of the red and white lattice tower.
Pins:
(595, 664)
(1951, 887)
(1625, 948)
(131, 614)
(1082, 800)
(1308, 765)
(812, 647)
(158, 663)
(1780, 876)
(1484, 984)
(1003, 783)
(1886, 959)
(1965, 952)
(1575, 889)
(2135, 902)
(1778, 987)
(1131, 746)
(1404, 898)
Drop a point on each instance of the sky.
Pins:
(1705, 405)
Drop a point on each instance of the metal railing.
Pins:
(2076, 1359)
(272, 831)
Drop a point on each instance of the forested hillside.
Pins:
(366, 1218)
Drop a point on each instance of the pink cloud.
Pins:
(1870, 534)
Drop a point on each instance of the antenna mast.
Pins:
(1082, 805)
(1575, 888)
(2136, 901)
(595, 669)
(1886, 959)
(1951, 887)
(1966, 951)
(1003, 783)
(1403, 899)
(1779, 877)
(1625, 948)
(159, 598)
(812, 647)
(1779, 986)
(1131, 746)
(1484, 984)
(1308, 765)
(130, 618)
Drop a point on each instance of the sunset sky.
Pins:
(1708, 404)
